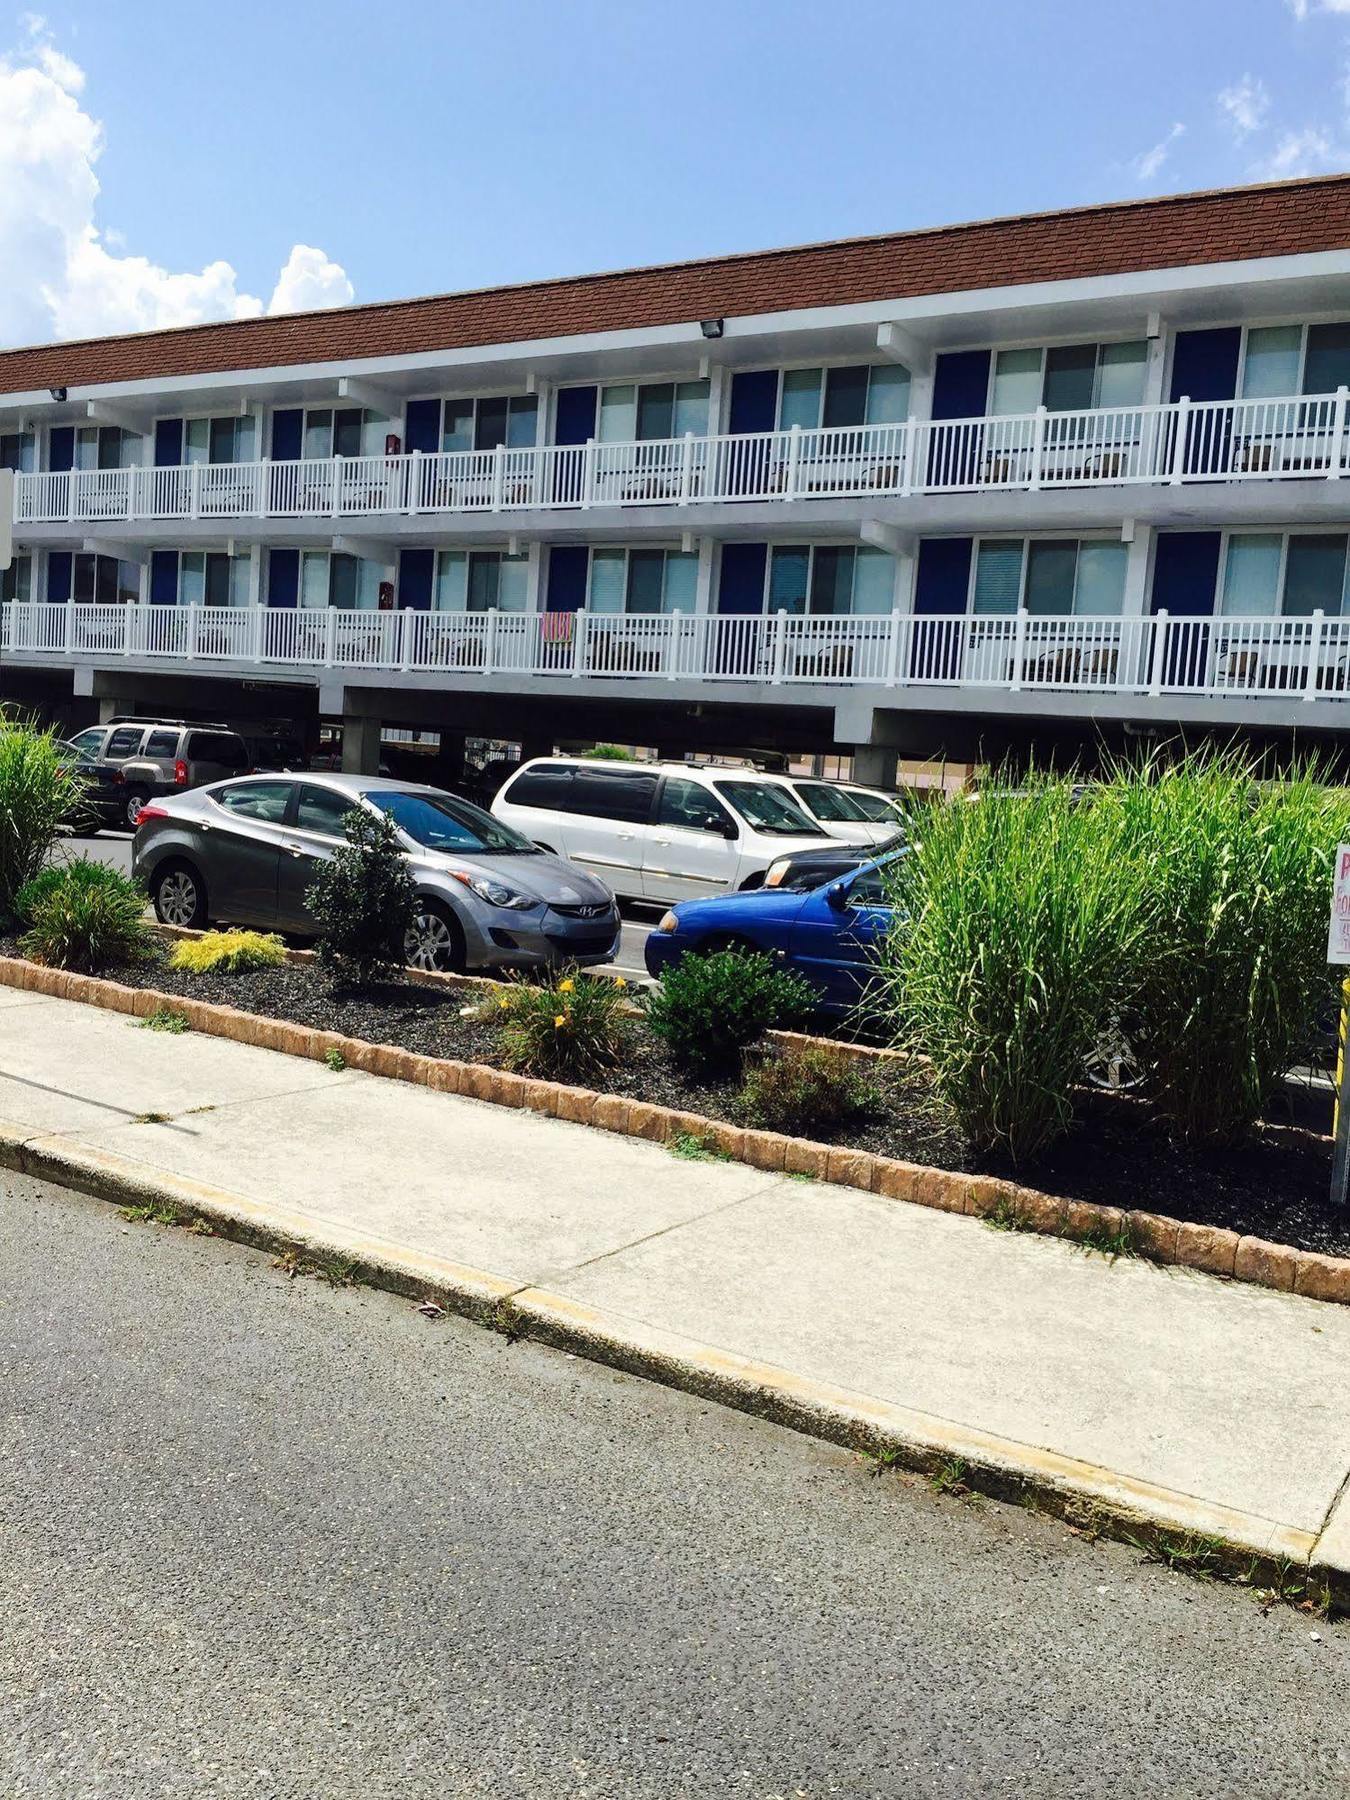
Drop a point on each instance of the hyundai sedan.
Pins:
(246, 852)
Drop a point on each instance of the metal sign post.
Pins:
(1338, 955)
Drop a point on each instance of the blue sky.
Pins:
(421, 147)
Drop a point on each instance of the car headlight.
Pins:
(667, 922)
(496, 893)
(776, 872)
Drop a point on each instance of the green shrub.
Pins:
(574, 1029)
(88, 925)
(363, 901)
(806, 1089)
(83, 873)
(1016, 924)
(1226, 985)
(228, 952)
(707, 1009)
(607, 753)
(38, 789)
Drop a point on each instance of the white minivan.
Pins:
(658, 831)
(836, 809)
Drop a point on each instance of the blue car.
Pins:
(829, 934)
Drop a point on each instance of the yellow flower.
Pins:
(619, 981)
(503, 1004)
(560, 1021)
(565, 987)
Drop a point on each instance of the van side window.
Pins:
(548, 787)
(624, 795)
(218, 747)
(162, 743)
(689, 807)
(125, 741)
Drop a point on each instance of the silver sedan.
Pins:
(246, 852)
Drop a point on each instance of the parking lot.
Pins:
(114, 847)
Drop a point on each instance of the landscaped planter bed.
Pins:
(1270, 1193)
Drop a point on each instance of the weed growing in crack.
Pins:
(696, 1149)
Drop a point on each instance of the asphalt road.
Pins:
(263, 1538)
(115, 847)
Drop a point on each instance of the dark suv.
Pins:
(141, 758)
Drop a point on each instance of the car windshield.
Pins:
(875, 808)
(440, 822)
(768, 809)
(831, 803)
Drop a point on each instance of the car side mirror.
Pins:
(837, 896)
(723, 826)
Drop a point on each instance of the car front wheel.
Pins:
(131, 807)
(435, 941)
(180, 897)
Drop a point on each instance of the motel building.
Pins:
(1023, 485)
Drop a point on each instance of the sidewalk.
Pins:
(1206, 1405)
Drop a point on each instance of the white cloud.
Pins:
(64, 274)
(1301, 8)
(1246, 103)
(310, 281)
(1145, 167)
(1306, 152)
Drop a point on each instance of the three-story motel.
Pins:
(1034, 482)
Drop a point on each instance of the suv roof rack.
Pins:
(180, 724)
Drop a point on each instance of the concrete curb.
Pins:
(1207, 1248)
(1090, 1497)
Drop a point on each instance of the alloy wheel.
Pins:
(430, 943)
(177, 898)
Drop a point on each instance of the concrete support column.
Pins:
(535, 746)
(360, 745)
(1137, 564)
(114, 706)
(874, 765)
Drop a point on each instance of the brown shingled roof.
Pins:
(1228, 224)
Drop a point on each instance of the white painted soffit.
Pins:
(1233, 292)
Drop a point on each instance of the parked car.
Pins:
(150, 757)
(807, 869)
(269, 750)
(657, 831)
(836, 809)
(828, 934)
(246, 852)
(100, 799)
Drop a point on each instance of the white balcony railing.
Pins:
(1215, 440)
(1300, 659)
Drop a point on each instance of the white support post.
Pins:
(414, 499)
(335, 477)
(407, 621)
(1337, 458)
(70, 624)
(794, 458)
(264, 479)
(1037, 449)
(1159, 646)
(687, 468)
(910, 433)
(490, 643)
(1019, 649)
(329, 637)
(588, 474)
(255, 625)
(1182, 418)
(195, 491)
(1314, 651)
(70, 495)
(580, 637)
(191, 645)
(498, 477)
(780, 646)
(893, 647)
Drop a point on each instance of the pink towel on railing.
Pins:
(556, 627)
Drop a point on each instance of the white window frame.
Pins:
(667, 550)
(1285, 534)
(503, 554)
(1077, 538)
(811, 546)
(1045, 345)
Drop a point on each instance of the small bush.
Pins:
(575, 1029)
(806, 1090)
(364, 902)
(165, 1018)
(39, 788)
(228, 953)
(707, 1009)
(83, 873)
(88, 925)
(607, 753)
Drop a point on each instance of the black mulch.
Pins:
(1275, 1185)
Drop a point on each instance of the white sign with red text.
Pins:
(1338, 944)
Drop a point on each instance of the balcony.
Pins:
(1296, 659)
(1221, 440)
